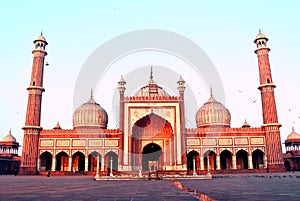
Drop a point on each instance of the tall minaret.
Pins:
(121, 88)
(33, 114)
(181, 89)
(269, 111)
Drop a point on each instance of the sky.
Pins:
(224, 30)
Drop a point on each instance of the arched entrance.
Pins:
(62, 161)
(226, 159)
(155, 128)
(111, 161)
(92, 158)
(78, 162)
(211, 156)
(258, 159)
(45, 161)
(191, 156)
(242, 159)
(151, 152)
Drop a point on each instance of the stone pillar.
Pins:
(86, 164)
(38, 165)
(218, 164)
(234, 162)
(70, 164)
(265, 161)
(53, 164)
(250, 163)
(201, 163)
(97, 170)
(102, 164)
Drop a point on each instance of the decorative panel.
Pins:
(225, 141)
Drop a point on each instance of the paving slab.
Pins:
(284, 186)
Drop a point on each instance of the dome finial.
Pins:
(91, 93)
(259, 31)
(10, 131)
(292, 128)
(211, 93)
(41, 33)
(151, 73)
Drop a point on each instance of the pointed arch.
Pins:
(242, 159)
(191, 156)
(226, 159)
(209, 158)
(62, 161)
(92, 161)
(78, 162)
(45, 161)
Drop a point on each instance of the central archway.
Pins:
(151, 153)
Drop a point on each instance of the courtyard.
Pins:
(279, 186)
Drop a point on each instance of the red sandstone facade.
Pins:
(152, 133)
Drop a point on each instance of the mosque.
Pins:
(152, 134)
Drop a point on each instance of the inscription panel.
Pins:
(111, 143)
(225, 141)
(193, 142)
(257, 140)
(77, 143)
(63, 143)
(46, 143)
(95, 143)
(210, 141)
(239, 141)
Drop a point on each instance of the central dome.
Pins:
(151, 88)
(90, 114)
(213, 113)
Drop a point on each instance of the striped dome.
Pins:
(90, 114)
(213, 113)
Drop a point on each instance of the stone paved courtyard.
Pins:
(283, 186)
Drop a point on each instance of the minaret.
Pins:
(269, 111)
(181, 89)
(121, 88)
(33, 115)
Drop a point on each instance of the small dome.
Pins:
(246, 125)
(40, 37)
(9, 138)
(90, 114)
(293, 135)
(260, 35)
(213, 113)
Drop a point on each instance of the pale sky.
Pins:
(225, 30)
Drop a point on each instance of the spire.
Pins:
(151, 73)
